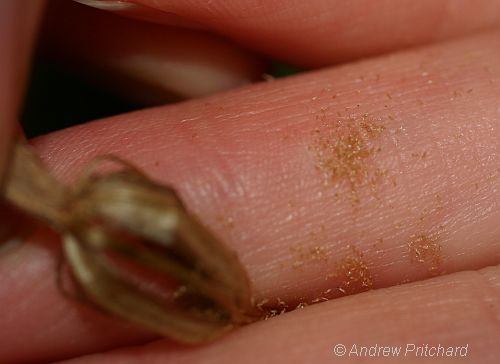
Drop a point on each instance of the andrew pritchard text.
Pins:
(408, 350)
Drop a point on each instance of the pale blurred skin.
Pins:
(249, 162)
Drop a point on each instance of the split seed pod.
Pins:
(122, 231)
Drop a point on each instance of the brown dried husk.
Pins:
(126, 215)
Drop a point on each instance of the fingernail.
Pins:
(185, 80)
(9, 245)
(140, 11)
(111, 5)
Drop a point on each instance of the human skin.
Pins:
(330, 31)
(17, 27)
(256, 165)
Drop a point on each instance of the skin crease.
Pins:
(142, 61)
(325, 325)
(179, 57)
(249, 162)
(260, 227)
(326, 28)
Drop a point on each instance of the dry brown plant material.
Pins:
(123, 233)
(306, 254)
(354, 272)
(344, 148)
(426, 250)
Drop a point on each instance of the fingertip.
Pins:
(144, 62)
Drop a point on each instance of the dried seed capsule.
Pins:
(127, 215)
(123, 234)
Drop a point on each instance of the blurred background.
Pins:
(78, 74)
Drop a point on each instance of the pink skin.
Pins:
(389, 317)
(326, 28)
(250, 155)
(143, 61)
(246, 162)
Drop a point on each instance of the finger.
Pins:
(144, 62)
(324, 189)
(30, 289)
(17, 26)
(322, 32)
(459, 312)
